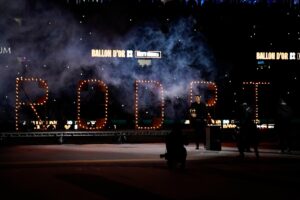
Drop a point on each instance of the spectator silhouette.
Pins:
(247, 134)
(175, 147)
(283, 124)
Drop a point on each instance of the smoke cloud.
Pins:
(47, 41)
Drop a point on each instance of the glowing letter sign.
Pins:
(277, 56)
(100, 123)
(256, 84)
(41, 101)
(211, 86)
(155, 87)
(157, 121)
(119, 53)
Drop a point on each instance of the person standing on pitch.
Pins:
(283, 124)
(198, 116)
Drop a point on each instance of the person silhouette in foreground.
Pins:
(248, 134)
(175, 147)
(283, 124)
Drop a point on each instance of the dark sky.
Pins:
(216, 42)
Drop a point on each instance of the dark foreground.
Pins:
(135, 171)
